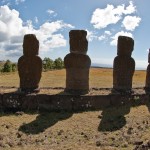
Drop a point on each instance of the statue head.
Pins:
(78, 41)
(125, 45)
(30, 45)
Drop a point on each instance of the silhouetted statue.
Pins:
(147, 84)
(77, 63)
(30, 65)
(124, 65)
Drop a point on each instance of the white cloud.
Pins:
(91, 35)
(51, 12)
(19, 1)
(105, 36)
(36, 19)
(101, 18)
(121, 33)
(13, 29)
(108, 32)
(130, 9)
(102, 37)
(131, 22)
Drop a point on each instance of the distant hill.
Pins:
(95, 65)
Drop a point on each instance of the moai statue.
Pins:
(123, 66)
(30, 65)
(147, 84)
(77, 64)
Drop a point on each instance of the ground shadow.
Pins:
(43, 121)
(113, 119)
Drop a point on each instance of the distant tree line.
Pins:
(48, 64)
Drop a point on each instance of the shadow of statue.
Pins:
(113, 118)
(43, 121)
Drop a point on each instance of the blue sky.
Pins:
(51, 21)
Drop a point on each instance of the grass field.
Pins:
(99, 77)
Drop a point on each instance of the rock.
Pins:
(19, 134)
(60, 132)
(1, 136)
(138, 142)
(19, 113)
(100, 116)
(98, 143)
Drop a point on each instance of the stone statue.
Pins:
(30, 65)
(147, 84)
(77, 63)
(124, 65)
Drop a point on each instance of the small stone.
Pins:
(113, 139)
(129, 130)
(138, 142)
(125, 145)
(100, 116)
(1, 137)
(7, 126)
(60, 132)
(19, 134)
(98, 143)
(19, 113)
(148, 143)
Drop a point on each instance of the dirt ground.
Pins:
(116, 128)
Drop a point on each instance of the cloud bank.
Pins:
(121, 15)
(13, 29)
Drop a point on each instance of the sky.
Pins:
(51, 21)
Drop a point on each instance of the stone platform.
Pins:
(55, 99)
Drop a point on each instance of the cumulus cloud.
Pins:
(13, 29)
(101, 18)
(91, 35)
(121, 33)
(102, 37)
(19, 1)
(131, 22)
(105, 36)
(36, 19)
(108, 32)
(51, 12)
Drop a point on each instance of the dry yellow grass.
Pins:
(99, 77)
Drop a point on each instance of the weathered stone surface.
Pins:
(147, 83)
(125, 46)
(29, 102)
(116, 100)
(77, 64)
(12, 101)
(124, 65)
(78, 41)
(45, 102)
(1, 102)
(30, 65)
(54, 102)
